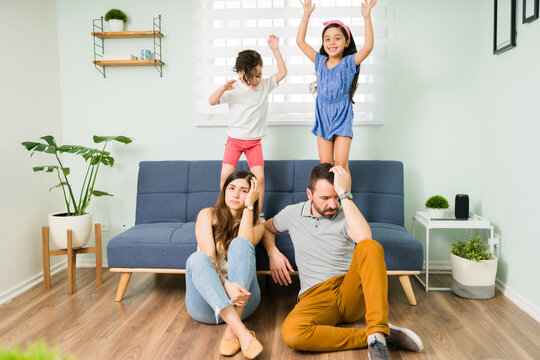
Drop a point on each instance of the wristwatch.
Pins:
(346, 195)
(249, 207)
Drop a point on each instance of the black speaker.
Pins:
(462, 206)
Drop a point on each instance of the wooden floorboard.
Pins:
(152, 322)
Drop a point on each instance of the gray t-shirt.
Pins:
(322, 246)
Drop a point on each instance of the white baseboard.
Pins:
(26, 285)
(519, 300)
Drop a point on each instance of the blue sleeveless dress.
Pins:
(333, 109)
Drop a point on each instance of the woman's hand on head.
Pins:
(367, 6)
(253, 193)
(273, 42)
(237, 293)
(308, 6)
(229, 85)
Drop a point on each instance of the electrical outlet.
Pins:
(104, 226)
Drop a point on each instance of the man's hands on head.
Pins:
(342, 179)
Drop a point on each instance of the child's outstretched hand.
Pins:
(367, 6)
(273, 42)
(229, 85)
(308, 6)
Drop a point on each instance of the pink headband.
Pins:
(340, 23)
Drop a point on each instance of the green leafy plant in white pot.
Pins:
(75, 216)
(436, 206)
(474, 269)
(116, 19)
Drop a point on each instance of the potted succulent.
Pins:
(75, 216)
(473, 269)
(436, 206)
(116, 19)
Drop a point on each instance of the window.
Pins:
(225, 27)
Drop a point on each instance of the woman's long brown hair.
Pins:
(223, 227)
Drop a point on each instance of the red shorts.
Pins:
(235, 147)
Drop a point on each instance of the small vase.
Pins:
(435, 213)
(116, 25)
(80, 225)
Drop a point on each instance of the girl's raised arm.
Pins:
(363, 53)
(308, 6)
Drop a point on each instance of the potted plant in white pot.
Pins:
(473, 269)
(116, 19)
(74, 217)
(436, 206)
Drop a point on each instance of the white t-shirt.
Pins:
(248, 109)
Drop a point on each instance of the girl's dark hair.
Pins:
(223, 226)
(351, 49)
(247, 61)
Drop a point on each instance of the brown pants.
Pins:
(310, 326)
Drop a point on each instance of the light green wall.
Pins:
(508, 153)
(30, 108)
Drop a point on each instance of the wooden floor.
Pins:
(152, 322)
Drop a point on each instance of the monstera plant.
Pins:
(76, 203)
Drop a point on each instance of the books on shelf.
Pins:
(107, 57)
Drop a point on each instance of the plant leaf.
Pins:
(66, 171)
(46, 168)
(122, 139)
(58, 185)
(100, 193)
(49, 139)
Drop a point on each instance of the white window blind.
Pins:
(225, 27)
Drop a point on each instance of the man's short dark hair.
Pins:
(321, 171)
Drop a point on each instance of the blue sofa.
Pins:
(171, 193)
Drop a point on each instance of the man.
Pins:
(342, 272)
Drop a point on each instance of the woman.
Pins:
(221, 283)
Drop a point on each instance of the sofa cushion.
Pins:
(402, 251)
(158, 245)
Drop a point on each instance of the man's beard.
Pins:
(325, 211)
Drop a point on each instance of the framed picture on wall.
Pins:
(504, 26)
(530, 10)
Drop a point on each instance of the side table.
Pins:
(448, 222)
(71, 257)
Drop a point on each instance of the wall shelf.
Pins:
(129, 62)
(127, 34)
(99, 46)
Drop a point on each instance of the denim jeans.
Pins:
(205, 294)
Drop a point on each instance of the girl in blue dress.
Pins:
(337, 65)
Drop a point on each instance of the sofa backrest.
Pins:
(175, 191)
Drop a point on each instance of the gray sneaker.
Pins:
(403, 338)
(378, 351)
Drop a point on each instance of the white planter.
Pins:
(116, 25)
(436, 213)
(473, 279)
(81, 229)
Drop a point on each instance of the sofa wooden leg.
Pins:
(124, 280)
(406, 284)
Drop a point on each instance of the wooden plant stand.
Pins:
(71, 257)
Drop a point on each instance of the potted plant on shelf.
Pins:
(75, 216)
(473, 269)
(436, 206)
(116, 19)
